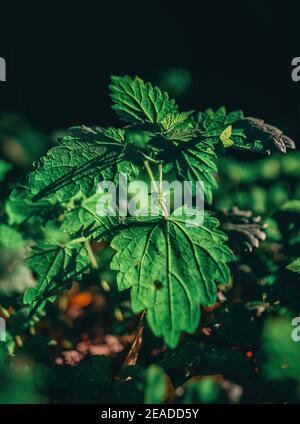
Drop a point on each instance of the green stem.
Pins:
(160, 185)
(150, 173)
(78, 240)
(89, 249)
(156, 188)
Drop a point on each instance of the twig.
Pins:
(132, 357)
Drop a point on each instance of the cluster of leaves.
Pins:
(53, 235)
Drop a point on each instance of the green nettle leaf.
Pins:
(196, 162)
(171, 267)
(20, 207)
(181, 134)
(82, 218)
(173, 120)
(210, 121)
(294, 266)
(136, 101)
(56, 266)
(191, 158)
(79, 162)
(219, 125)
(247, 133)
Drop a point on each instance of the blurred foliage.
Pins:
(263, 185)
(20, 381)
(20, 142)
(282, 351)
(176, 81)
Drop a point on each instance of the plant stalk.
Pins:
(132, 357)
(156, 188)
(89, 249)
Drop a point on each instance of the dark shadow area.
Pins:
(237, 54)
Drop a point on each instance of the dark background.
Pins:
(59, 59)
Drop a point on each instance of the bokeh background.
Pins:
(233, 53)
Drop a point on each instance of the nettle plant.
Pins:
(171, 269)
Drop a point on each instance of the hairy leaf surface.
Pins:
(82, 218)
(136, 101)
(56, 266)
(246, 133)
(79, 162)
(20, 207)
(171, 269)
